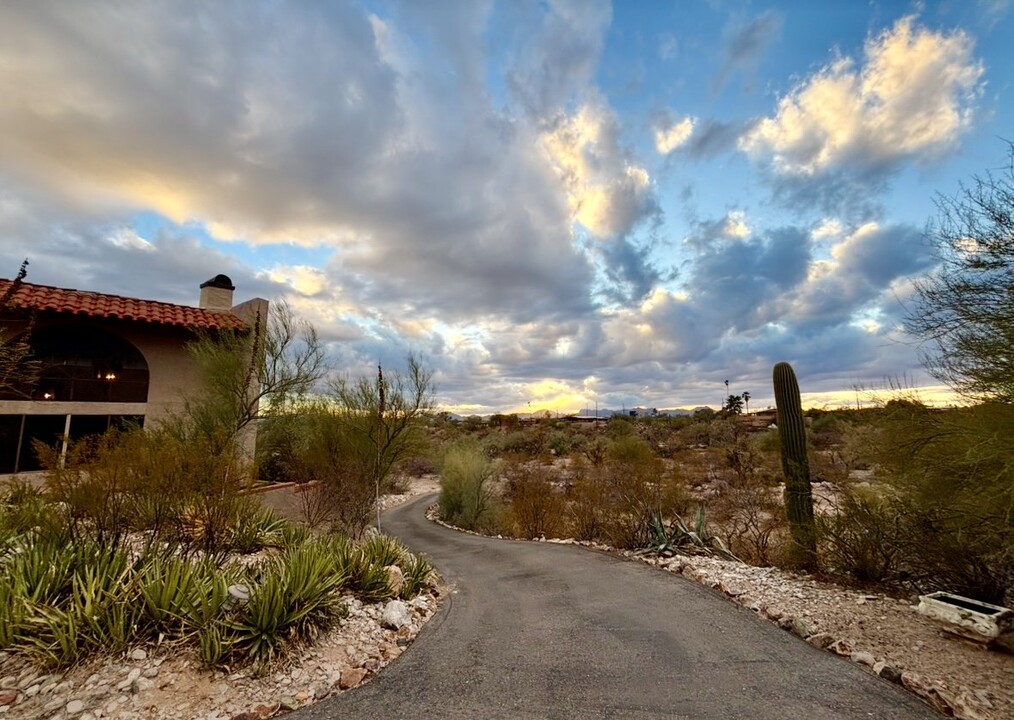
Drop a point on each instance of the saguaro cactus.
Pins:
(795, 466)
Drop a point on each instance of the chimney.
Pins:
(216, 294)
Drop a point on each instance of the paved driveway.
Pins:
(555, 631)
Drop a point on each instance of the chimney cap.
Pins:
(219, 281)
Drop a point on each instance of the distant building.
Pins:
(106, 361)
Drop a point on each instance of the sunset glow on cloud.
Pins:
(555, 205)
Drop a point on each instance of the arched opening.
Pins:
(87, 364)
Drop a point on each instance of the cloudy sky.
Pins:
(555, 203)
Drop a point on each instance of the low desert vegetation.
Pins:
(907, 498)
(74, 583)
(150, 536)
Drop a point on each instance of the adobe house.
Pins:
(106, 360)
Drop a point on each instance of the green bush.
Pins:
(952, 473)
(466, 495)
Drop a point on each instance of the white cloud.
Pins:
(607, 192)
(674, 135)
(912, 97)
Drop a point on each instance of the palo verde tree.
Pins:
(378, 418)
(248, 375)
(964, 311)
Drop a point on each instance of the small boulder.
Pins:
(351, 677)
(395, 615)
(8, 698)
(74, 707)
(822, 640)
(138, 654)
(863, 658)
(888, 672)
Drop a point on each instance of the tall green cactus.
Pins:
(795, 466)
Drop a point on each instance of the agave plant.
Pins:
(678, 536)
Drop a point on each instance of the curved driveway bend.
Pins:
(537, 630)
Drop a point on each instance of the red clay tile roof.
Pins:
(100, 305)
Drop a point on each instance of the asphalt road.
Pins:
(537, 630)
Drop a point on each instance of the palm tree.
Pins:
(746, 401)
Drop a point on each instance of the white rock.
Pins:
(138, 654)
(395, 615)
(74, 707)
(863, 658)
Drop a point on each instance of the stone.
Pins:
(8, 698)
(395, 579)
(138, 654)
(395, 615)
(266, 711)
(289, 703)
(799, 628)
(33, 690)
(863, 658)
(75, 707)
(822, 640)
(888, 672)
(150, 672)
(9, 682)
(351, 677)
(239, 595)
(302, 696)
(840, 647)
(928, 692)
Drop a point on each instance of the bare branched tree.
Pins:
(964, 311)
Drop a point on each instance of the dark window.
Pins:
(87, 364)
(10, 431)
(47, 429)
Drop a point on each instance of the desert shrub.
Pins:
(587, 505)
(751, 517)
(534, 505)
(561, 443)
(708, 433)
(419, 465)
(636, 488)
(620, 427)
(952, 475)
(596, 450)
(528, 442)
(857, 449)
(862, 537)
(466, 494)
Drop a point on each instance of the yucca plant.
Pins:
(12, 612)
(383, 550)
(168, 585)
(214, 644)
(257, 528)
(294, 596)
(51, 636)
(368, 580)
(418, 573)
